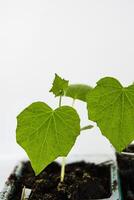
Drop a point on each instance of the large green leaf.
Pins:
(46, 134)
(59, 86)
(112, 106)
(78, 91)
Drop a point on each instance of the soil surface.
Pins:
(126, 172)
(83, 181)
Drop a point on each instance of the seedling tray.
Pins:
(9, 188)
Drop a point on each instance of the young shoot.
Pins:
(46, 134)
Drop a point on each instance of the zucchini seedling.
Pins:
(46, 134)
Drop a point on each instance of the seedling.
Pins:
(46, 134)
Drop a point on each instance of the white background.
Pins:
(81, 40)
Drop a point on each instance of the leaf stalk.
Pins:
(86, 127)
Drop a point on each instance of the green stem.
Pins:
(86, 127)
(63, 158)
(63, 169)
(73, 102)
(60, 101)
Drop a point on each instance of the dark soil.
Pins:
(129, 149)
(83, 181)
(126, 172)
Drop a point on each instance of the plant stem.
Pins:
(63, 169)
(86, 127)
(73, 102)
(63, 158)
(60, 99)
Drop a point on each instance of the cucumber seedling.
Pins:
(46, 134)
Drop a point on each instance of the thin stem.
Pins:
(86, 127)
(63, 158)
(60, 100)
(63, 169)
(73, 102)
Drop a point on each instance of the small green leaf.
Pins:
(46, 134)
(111, 106)
(78, 91)
(59, 86)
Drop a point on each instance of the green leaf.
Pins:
(111, 106)
(78, 91)
(46, 134)
(59, 86)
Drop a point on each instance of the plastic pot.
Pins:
(126, 171)
(9, 188)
